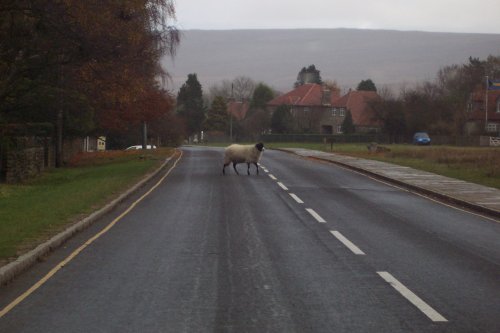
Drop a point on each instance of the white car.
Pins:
(140, 147)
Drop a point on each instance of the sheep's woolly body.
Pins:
(241, 154)
(249, 154)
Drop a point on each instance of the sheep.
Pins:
(243, 154)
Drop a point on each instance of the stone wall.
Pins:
(24, 164)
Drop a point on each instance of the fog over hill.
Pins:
(389, 58)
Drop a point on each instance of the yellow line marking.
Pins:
(54, 270)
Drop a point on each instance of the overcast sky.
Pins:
(475, 16)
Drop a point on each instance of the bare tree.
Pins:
(222, 89)
(242, 88)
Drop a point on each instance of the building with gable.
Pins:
(237, 109)
(317, 109)
(478, 120)
(363, 115)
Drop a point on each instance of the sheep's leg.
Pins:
(256, 165)
(224, 168)
(234, 167)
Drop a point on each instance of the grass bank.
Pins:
(34, 211)
(480, 165)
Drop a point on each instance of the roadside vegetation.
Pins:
(473, 164)
(34, 211)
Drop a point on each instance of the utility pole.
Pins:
(231, 116)
(230, 127)
(486, 105)
(59, 136)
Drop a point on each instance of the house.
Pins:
(311, 106)
(318, 109)
(237, 109)
(477, 119)
(92, 143)
(359, 104)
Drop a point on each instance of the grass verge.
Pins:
(35, 211)
(478, 165)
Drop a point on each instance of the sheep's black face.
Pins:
(259, 146)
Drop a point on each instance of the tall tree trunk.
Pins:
(60, 122)
(144, 135)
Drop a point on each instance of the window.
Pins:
(342, 112)
(339, 129)
(470, 104)
(334, 112)
(492, 127)
(498, 104)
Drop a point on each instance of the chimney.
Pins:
(326, 98)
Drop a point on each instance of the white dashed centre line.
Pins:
(315, 215)
(283, 186)
(405, 292)
(414, 299)
(296, 198)
(356, 250)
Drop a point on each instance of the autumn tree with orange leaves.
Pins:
(85, 66)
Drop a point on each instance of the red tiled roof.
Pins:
(238, 109)
(310, 94)
(358, 103)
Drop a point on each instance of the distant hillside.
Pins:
(347, 56)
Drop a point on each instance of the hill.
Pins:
(390, 58)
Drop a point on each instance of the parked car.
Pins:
(140, 147)
(421, 138)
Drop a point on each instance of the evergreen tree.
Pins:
(261, 95)
(347, 124)
(281, 120)
(366, 85)
(257, 119)
(308, 75)
(217, 117)
(190, 104)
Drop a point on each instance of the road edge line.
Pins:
(13, 269)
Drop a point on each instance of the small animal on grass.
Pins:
(249, 154)
(375, 148)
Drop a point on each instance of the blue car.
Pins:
(421, 138)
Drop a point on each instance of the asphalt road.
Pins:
(303, 247)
